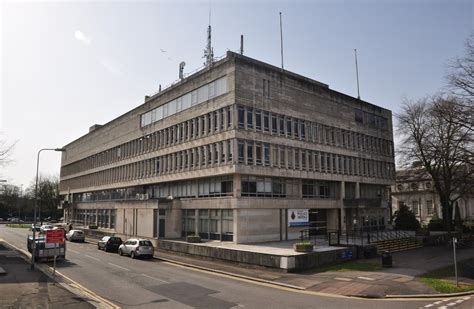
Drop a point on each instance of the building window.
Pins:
(250, 153)
(414, 207)
(249, 118)
(266, 154)
(429, 207)
(266, 121)
(274, 124)
(258, 120)
(240, 150)
(241, 116)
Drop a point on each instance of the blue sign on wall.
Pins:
(346, 254)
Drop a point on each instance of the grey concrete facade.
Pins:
(226, 152)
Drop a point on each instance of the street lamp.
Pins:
(33, 251)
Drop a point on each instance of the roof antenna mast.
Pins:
(357, 74)
(209, 51)
(281, 42)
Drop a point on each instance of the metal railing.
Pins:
(359, 237)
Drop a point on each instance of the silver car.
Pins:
(136, 248)
(75, 235)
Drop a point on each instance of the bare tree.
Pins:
(5, 151)
(461, 73)
(438, 133)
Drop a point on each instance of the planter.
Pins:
(92, 227)
(303, 247)
(193, 239)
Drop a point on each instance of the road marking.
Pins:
(438, 302)
(460, 301)
(118, 266)
(77, 252)
(467, 298)
(443, 307)
(430, 305)
(451, 304)
(94, 258)
(343, 279)
(366, 278)
(155, 278)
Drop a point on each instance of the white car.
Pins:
(75, 235)
(46, 227)
(136, 248)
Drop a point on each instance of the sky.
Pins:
(65, 66)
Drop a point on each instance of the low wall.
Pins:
(287, 263)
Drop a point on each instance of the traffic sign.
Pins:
(55, 236)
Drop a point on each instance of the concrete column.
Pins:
(225, 119)
(237, 185)
(225, 148)
(357, 190)
(196, 221)
(341, 200)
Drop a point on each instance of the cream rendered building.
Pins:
(230, 153)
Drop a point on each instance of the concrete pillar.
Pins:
(237, 185)
(357, 190)
(341, 200)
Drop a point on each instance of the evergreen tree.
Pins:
(406, 220)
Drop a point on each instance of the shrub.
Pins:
(406, 220)
(303, 246)
(92, 227)
(436, 225)
(193, 239)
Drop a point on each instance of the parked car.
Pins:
(45, 227)
(136, 248)
(35, 228)
(75, 235)
(109, 243)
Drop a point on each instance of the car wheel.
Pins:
(98, 247)
(120, 252)
(132, 255)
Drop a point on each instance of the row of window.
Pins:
(205, 156)
(415, 207)
(198, 127)
(275, 187)
(101, 217)
(370, 119)
(206, 187)
(186, 101)
(286, 187)
(263, 121)
(257, 153)
(208, 223)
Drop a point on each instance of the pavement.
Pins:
(21, 287)
(398, 281)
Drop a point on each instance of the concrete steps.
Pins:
(396, 245)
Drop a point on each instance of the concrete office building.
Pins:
(230, 153)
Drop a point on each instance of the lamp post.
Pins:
(33, 250)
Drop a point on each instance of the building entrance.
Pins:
(317, 222)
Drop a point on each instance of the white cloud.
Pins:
(80, 36)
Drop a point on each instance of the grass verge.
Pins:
(19, 225)
(438, 279)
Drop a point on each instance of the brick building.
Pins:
(230, 153)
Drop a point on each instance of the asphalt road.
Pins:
(155, 284)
